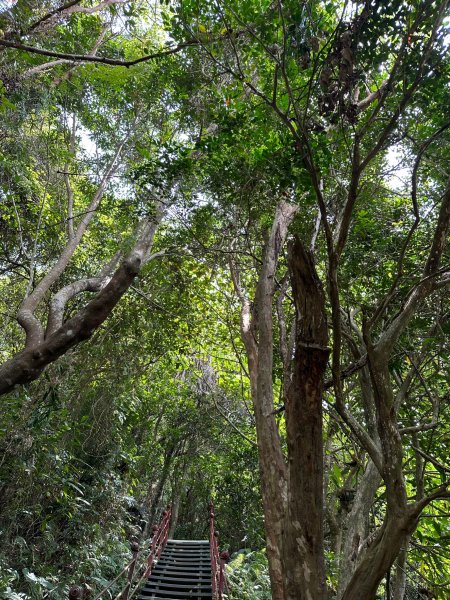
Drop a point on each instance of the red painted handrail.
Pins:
(160, 533)
(218, 560)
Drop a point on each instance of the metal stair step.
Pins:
(179, 577)
(181, 562)
(178, 581)
(184, 557)
(187, 552)
(182, 572)
(203, 574)
(191, 549)
(191, 542)
(182, 567)
(177, 585)
(184, 552)
(180, 557)
(168, 572)
(185, 572)
(183, 549)
(173, 597)
(173, 594)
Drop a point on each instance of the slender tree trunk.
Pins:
(380, 556)
(357, 525)
(273, 484)
(399, 584)
(175, 512)
(303, 565)
(155, 493)
(257, 335)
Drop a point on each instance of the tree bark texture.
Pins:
(257, 335)
(357, 524)
(304, 567)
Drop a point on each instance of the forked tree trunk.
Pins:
(303, 551)
(380, 556)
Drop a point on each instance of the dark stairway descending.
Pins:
(183, 571)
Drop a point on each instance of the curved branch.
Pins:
(26, 366)
(49, 15)
(441, 493)
(376, 95)
(60, 300)
(25, 317)
(426, 285)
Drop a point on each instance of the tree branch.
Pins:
(441, 493)
(389, 337)
(26, 366)
(376, 95)
(25, 316)
(89, 58)
(49, 15)
(60, 300)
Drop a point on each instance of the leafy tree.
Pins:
(257, 147)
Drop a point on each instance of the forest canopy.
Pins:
(224, 274)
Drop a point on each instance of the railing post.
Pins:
(162, 533)
(134, 550)
(216, 564)
(224, 557)
(151, 556)
(75, 592)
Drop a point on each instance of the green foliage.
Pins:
(248, 576)
(156, 407)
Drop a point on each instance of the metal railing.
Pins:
(218, 559)
(160, 533)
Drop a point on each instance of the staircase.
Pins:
(182, 572)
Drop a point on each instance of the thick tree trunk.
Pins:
(304, 567)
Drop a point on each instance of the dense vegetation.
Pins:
(224, 273)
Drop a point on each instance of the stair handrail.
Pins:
(218, 559)
(160, 534)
